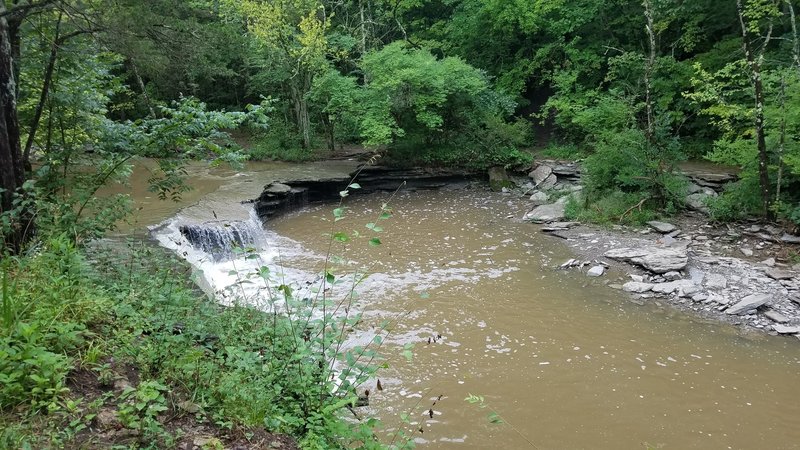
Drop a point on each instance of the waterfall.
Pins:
(219, 238)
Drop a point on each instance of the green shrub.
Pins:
(564, 151)
(30, 373)
(280, 143)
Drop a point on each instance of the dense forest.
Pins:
(630, 88)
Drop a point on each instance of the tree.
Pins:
(292, 33)
(753, 18)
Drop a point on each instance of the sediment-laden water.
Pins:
(564, 360)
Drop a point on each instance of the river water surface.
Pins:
(564, 360)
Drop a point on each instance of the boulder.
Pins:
(698, 201)
(596, 271)
(548, 183)
(748, 303)
(654, 259)
(498, 178)
(662, 227)
(540, 174)
(539, 198)
(546, 213)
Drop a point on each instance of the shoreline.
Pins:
(731, 273)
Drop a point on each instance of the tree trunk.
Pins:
(143, 88)
(795, 36)
(754, 64)
(648, 73)
(48, 79)
(12, 171)
(301, 117)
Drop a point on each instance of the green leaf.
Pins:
(424, 295)
(375, 242)
(341, 237)
(354, 186)
(374, 227)
(495, 418)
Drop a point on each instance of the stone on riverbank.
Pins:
(498, 179)
(778, 274)
(790, 239)
(654, 259)
(784, 329)
(775, 316)
(546, 213)
(596, 271)
(662, 227)
(539, 198)
(748, 303)
(635, 286)
(698, 201)
(540, 174)
(672, 286)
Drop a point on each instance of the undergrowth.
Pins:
(165, 355)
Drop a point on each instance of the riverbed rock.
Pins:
(786, 329)
(546, 213)
(654, 259)
(540, 174)
(790, 239)
(746, 251)
(559, 226)
(672, 276)
(672, 286)
(778, 274)
(662, 227)
(716, 281)
(539, 198)
(769, 262)
(775, 316)
(635, 286)
(748, 303)
(596, 271)
(548, 183)
(698, 201)
(278, 188)
(498, 178)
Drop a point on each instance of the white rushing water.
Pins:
(230, 258)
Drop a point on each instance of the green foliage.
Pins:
(438, 111)
(613, 207)
(725, 96)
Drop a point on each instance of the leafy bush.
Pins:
(279, 143)
(30, 373)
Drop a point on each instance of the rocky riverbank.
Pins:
(744, 274)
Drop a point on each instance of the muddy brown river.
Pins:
(564, 360)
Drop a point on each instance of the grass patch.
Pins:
(614, 208)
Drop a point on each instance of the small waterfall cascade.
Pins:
(227, 274)
(219, 238)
